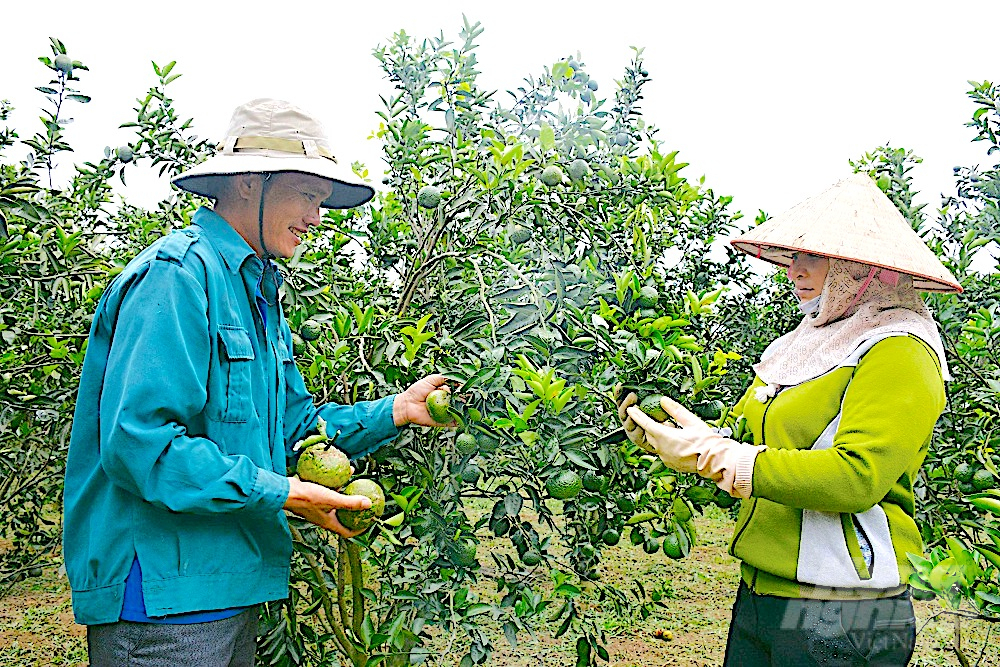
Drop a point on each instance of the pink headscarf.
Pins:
(858, 303)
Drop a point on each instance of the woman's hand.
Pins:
(678, 446)
(693, 446)
(635, 434)
(410, 407)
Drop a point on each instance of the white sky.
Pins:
(768, 100)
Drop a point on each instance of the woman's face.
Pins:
(808, 273)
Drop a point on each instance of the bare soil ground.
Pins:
(37, 629)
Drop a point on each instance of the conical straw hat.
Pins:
(852, 220)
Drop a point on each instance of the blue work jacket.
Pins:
(188, 406)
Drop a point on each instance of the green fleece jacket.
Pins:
(831, 514)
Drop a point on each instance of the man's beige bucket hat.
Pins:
(852, 220)
(269, 136)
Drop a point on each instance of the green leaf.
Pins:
(547, 137)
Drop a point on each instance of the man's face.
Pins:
(291, 207)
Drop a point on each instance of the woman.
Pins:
(841, 411)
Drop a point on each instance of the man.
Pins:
(189, 402)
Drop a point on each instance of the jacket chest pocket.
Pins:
(235, 372)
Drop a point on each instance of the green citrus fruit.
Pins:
(519, 234)
(592, 481)
(611, 537)
(966, 487)
(964, 472)
(982, 480)
(648, 297)
(651, 545)
(487, 444)
(651, 406)
(592, 85)
(471, 474)
(625, 504)
(438, 403)
(622, 139)
(64, 64)
(362, 519)
(310, 330)
(586, 97)
(578, 168)
(531, 558)
(429, 196)
(709, 409)
(324, 465)
(462, 553)
(587, 550)
(466, 444)
(564, 485)
(672, 546)
(552, 175)
(298, 345)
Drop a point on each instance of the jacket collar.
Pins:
(233, 248)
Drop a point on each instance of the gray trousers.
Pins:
(230, 642)
(782, 632)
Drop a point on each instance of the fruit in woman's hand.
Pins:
(362, 519)
(651, 406)
(324, 464)
(438, 403)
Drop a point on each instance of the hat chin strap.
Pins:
(266, 255)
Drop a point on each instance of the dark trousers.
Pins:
(782, 632)
(230, 642)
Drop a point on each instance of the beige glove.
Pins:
(693, 446)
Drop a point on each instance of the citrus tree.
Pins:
(538, 251)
